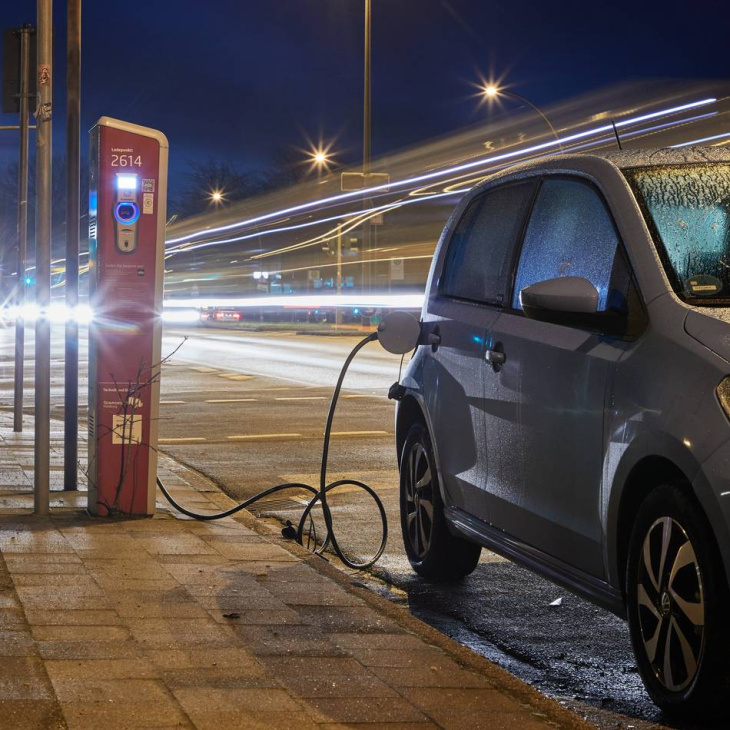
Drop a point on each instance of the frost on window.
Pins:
(690, 208)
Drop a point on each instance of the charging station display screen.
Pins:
(126, 182)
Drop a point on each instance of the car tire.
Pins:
(677, 604)
(432, 550)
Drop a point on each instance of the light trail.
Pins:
(323, 301)
(448, 171)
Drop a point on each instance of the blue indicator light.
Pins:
(126, 212)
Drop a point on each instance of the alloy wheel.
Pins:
(671, 604)
(418, 492)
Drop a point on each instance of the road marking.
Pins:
(206, 370)
(235, 376)
(359, 433)
(231, 400)
(183, 440)
(259, 436)
(302, 397)
(172, 402)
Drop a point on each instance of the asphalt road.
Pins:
(248, 410)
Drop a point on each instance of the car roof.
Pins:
(625, 159)
(621, 159)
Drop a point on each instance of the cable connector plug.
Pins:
(396, 391)
(289, 532)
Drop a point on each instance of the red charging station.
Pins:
(127, 203)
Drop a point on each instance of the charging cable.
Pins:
(319, 494)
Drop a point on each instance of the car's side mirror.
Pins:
(567, 300)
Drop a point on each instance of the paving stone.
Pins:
(201, 700)
(256, 617)
(237, 601)
(69, 580)
(195, 657)
(306, 685)
(232, 720)
(82, 633)
(90, 669)
(218, 678)
(30, 715)
(151, 631)
(91, 650)
(308, 594)
(84, 715)
(290, 573)
(487, 719)
(161, 610)
(140, 598)
(433, 700)
(111, 583)
(347, 618)
(424, 676)
(363, 709)
(332, 666)
(101, 617)
(423, 657)
(174, 545)
(17, 643)
(389, 641)
(286, 640)
(8, 599)
(70, 564)
(23, 678)
(252, 551)
(11, 618)
(214, 559)
(110, 690)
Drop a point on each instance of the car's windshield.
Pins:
(688, 208)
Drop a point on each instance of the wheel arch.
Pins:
(409, 412)
(645, 476)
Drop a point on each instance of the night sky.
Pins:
(239, 79)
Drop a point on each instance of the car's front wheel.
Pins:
(432, 550)
(677, 601)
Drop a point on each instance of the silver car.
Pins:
(568, 405)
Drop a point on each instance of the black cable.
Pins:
(320, 495)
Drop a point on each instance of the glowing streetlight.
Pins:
(491, 92)
(320, 158)
(217, 197)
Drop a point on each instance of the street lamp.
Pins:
(217, 197)
(320, 159)
(492, 92)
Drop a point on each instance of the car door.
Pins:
(472, 285)
(553, 382)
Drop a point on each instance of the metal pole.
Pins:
(25, 32)
(366, 143)
(338, 310)
(43, 259)
(73, 162)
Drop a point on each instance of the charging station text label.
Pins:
(126, 160)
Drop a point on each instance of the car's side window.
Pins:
(481, 249)
(570, 233)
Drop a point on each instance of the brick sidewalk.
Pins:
(168, 622)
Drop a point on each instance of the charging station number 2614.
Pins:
(126, 161)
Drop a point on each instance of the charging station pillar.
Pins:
(127, 203)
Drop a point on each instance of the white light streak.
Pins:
(324, 301)
(448, 171)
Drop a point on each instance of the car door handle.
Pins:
(495, 358)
